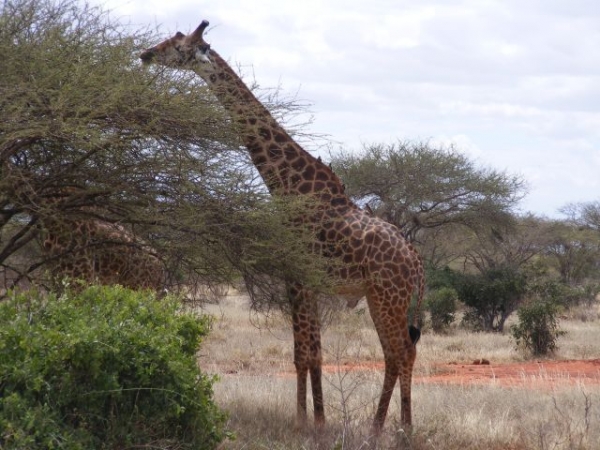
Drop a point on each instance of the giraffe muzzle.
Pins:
(147, 56)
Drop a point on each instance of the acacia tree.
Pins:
(436, 196)
(512, 245)
(574, 251)
(150, 151)
(584, 214)
(418, 187)
(583, 221)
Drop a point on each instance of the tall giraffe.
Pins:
(82, 246)
(376, 260)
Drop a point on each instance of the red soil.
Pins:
(544, 374)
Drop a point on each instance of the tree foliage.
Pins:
(584, 214)
(492, 296)
(441, 304)
(537, 330)
(573, 251)
(416, 186)
(512, 244)
(149, 150)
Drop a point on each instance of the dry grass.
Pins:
(257, 388)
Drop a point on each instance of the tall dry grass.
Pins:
(253, 358)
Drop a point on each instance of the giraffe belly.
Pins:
(351, 292)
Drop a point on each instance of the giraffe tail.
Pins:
(413, 330)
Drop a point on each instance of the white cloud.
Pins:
(461, 142)
(503, 110)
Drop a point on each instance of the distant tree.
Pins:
(584, 214)
(492, 296)
(512, 244)
(420, 187)
(578, 253)
(499, 263)
(446, 245)
(574, 251)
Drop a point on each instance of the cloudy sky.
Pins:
(513, 84)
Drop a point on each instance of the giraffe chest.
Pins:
(341, 239)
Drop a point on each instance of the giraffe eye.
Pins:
(179, 51)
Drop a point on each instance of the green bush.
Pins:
(537, 330)
(107, 368)
(491, 296)
(442, 307)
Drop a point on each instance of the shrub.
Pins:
(107, 368)
(442, 307)
(491, 296)
(537, 329)
(584, 294)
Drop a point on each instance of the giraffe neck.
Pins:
(283, 164)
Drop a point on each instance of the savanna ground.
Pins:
(514, 402)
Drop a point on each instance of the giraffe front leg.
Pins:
(301, 374)
(305, 363)
(317, 388)
(307, 352)
(315, 358)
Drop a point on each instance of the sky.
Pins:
(515, 85)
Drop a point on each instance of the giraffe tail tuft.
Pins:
(415, 334)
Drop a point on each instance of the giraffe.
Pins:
(370, 257)
(82, 246)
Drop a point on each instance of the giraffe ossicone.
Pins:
(369, 256)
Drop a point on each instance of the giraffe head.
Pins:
(181, 51)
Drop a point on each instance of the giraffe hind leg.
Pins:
(389, 382)
(401, 370)
(389, 314)
(409, 356)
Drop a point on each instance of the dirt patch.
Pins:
(542, 374)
